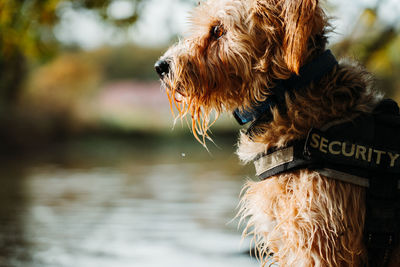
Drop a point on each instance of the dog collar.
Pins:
(310, 72)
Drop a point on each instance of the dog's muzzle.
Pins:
(162, 68)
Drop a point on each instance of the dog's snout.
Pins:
(162, 67)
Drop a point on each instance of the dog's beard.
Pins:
(201, 118)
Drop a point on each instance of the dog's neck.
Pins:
(311, 72)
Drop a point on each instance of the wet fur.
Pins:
(301, 218)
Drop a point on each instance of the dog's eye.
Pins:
(217, 31)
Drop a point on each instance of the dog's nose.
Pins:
(162, 67)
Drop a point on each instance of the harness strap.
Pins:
(297, 156)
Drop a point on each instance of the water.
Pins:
(139, 203)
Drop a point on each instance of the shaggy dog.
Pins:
(237, 51)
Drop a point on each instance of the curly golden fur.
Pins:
(236, 51)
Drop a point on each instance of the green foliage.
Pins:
(60, 95)
(62, 83)
(377, 46)
(26, 32)
(127, 62)
(62, 86)
(26, 25)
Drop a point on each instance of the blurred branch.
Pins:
(26, 32)
(375, 43)
(384, 38)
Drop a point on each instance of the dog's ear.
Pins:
(301, 18)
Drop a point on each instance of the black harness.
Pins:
(364, 151)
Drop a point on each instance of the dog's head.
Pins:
(236, 50)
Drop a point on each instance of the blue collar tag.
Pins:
(245, 116)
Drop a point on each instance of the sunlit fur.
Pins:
(298, 218)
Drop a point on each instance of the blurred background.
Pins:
(92, 171)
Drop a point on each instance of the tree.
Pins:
(26, 32)
(375, 44)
